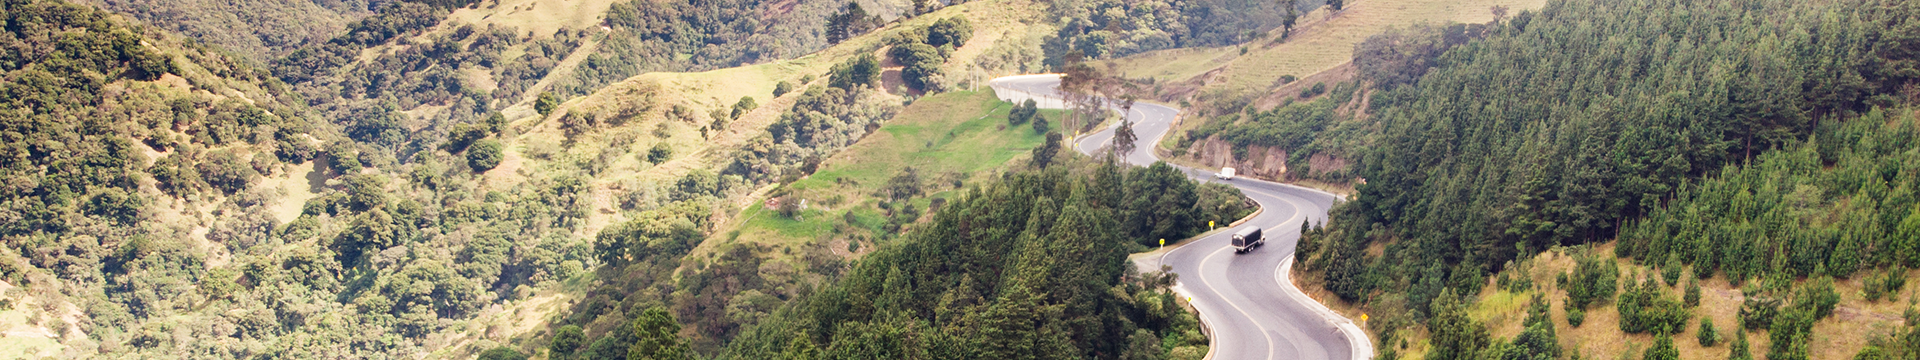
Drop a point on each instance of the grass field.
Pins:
(948, 138)
(1322, 41)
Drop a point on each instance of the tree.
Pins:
(502, 353)
(782, 88)
(496, 122)
(656, 337)
(1455, 336)
(1043, 155)
(1662, 349)
(1738, 350)
(546, 103)
(1288, 18)
(1023, 112)
(904, 185)
(660, 153)
(484, 155)
(1337, 5)
(861, 70)
(953, 31)
(1708, 335)
(566, 340)
(1039, 123)
(1123, 138)
(851, 21)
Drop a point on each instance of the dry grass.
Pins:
(1323, 41)
(536, 17)
(1854, 323)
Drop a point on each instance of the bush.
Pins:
(566, 340)
(1709, 336)
(1315, 90)
(546, 104)
(661, 152)
(502, 353)
(225, 171)
(782, 88)
(1023, 112)
(484, 155)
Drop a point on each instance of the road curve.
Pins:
(1255, 313)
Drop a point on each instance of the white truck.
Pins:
(1225, 174)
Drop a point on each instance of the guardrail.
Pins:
(1360, 346)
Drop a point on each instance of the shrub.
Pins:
(1708, 335)
(782, 88)
(484, 155)
(546, 103)
(661, 152)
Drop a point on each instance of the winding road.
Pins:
(1253, 310)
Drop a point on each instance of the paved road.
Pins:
(1254, 312)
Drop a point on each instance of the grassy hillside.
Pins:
(1857, 324)
(1323, 40)
(947, 140)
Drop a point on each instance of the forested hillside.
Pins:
(258, 30)
(1590, 121)
(123, 145)
(1029, 266)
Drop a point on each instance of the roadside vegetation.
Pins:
(1702, 171)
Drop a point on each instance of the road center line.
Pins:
(1264, 334)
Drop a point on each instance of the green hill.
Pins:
(128, 153)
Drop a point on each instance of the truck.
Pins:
(1246, 239)
(1225, 174)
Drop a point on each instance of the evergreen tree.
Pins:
(1709, 336)
(1662, 349)
(1455, 336)
(657, 337)
(1123, 138)
(1738, 350)
(1044, 154)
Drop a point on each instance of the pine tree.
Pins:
(657, 337)
(1455, 336)
(1738, 350)
(1662, 349)
(1709, 336)
(1043, 155)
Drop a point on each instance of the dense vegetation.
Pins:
(700, 35)
(989, 279)
(823, 120)
(1835, 205)
(1590, 121)
(257, 29)
(1570, 134)
(1104, 29)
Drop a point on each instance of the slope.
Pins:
(132, 159)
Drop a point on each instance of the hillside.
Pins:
(1712, 178)
(138, 166)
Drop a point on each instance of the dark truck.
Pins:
(1246, 239)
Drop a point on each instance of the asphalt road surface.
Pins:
(1254, 312)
